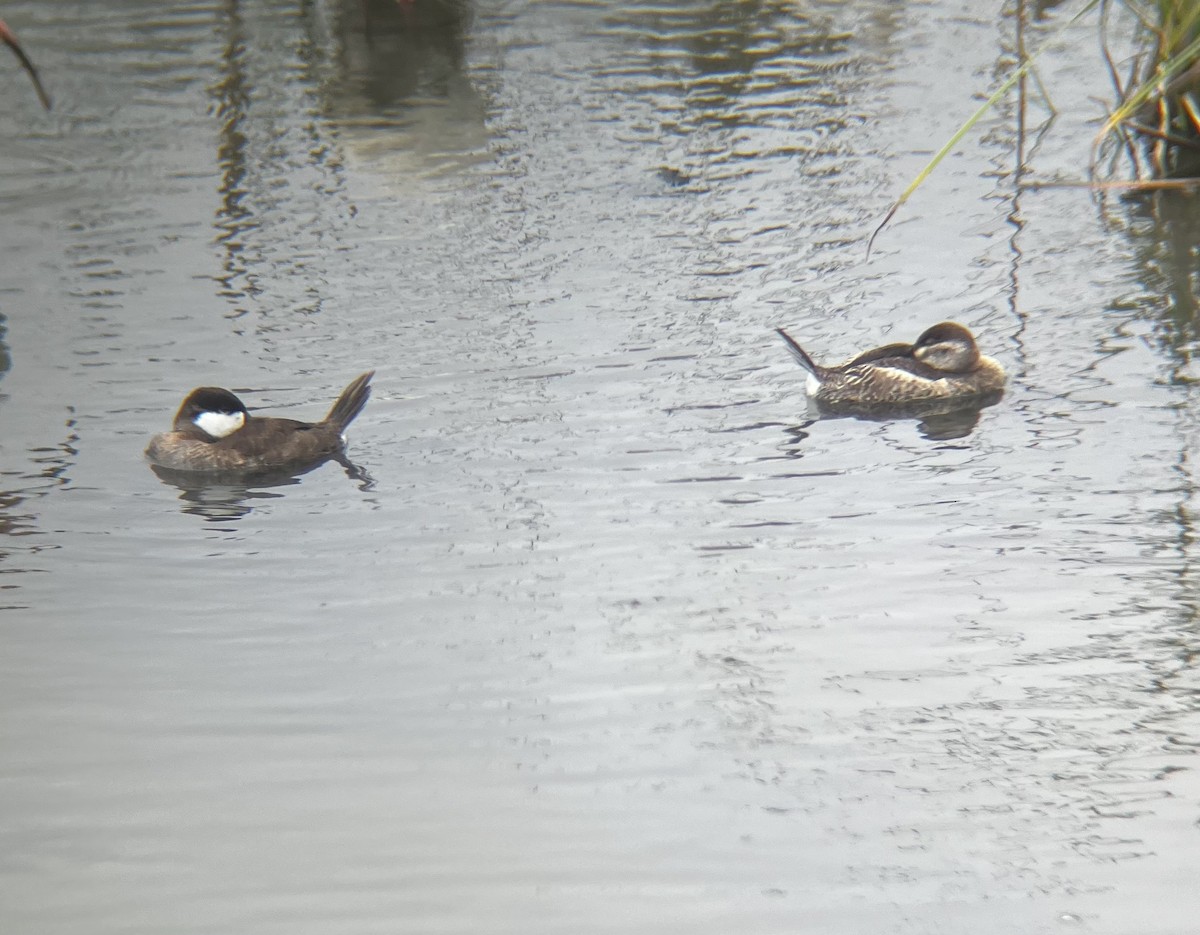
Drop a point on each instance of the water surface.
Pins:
(616, 637)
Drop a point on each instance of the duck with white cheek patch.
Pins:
(214, 434)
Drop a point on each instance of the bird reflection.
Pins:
(225, 497)
(940, 420)
(958, 423)
(937, 419)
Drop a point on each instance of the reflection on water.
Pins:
(397, 51)
(937, 419)
(1168, 225)
(215, 495)
(5, 355)
(401, 92)
(957, 423)
(219, 501)
(47, 471)
(16, 521)
(748, 66)
(722, 45)
(236, 216)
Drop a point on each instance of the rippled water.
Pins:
(615, 637)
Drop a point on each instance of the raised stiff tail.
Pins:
(351, 402)
(798, 352)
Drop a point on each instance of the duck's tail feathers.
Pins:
(351, 402)
(798, 352)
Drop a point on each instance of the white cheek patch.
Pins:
(220, 424)
(941, 356)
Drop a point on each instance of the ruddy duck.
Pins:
(214, 434)
(944, 366)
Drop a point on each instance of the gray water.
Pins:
(614, 637)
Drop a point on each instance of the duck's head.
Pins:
(947, 346)
(214, 411)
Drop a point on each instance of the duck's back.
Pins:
(881, 378)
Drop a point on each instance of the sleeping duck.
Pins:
(943, 367)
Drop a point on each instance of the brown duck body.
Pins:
(943, 366)
(214, 434)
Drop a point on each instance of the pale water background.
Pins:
(618, 640)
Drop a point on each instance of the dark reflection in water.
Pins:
(733, 51)
(15, 522)
(219, 496)
(234, 218)
(1168, 228)
(937, 419)
(1163, 229)
(5, 355)
(18, 514)
(393, 51)
(56, 461)
(725, 96)
(948, 425)
(400, 84)
(221, 501)
(726, 38)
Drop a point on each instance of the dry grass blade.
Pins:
(1018, 73)
(1164, 135)
(948, 147)
(10, 39)
(1113, 185)
(1188, 103)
